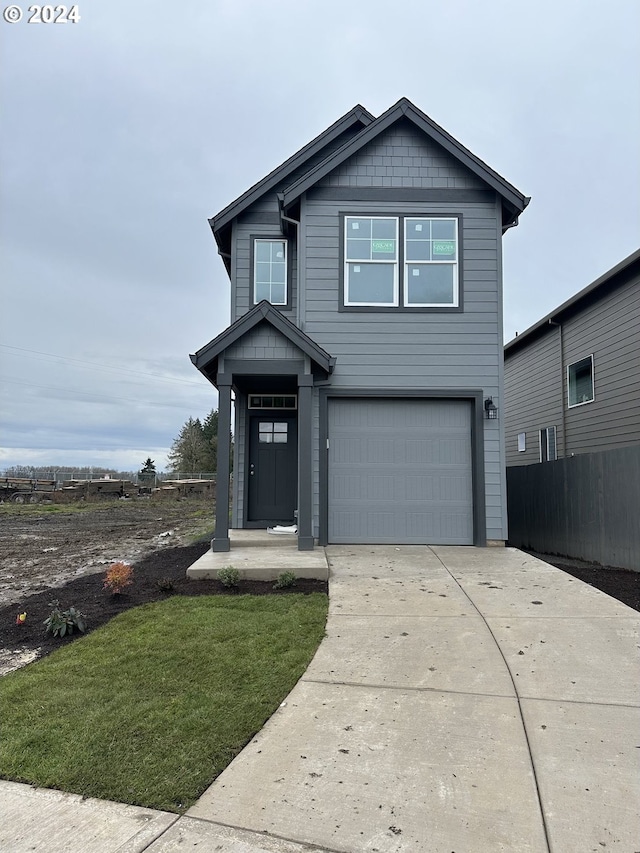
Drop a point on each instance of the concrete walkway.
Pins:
(464, 701)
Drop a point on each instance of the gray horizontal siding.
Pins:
(415, 350)
(533, 397)
(536, 381)
(610, 331)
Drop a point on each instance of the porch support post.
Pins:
(220, 541)
(305, 463)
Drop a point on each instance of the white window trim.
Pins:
(396, 284)
(545, 430)
(456, 290)
(571, 405)
(282, 240)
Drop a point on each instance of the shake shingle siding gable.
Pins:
(401, 158)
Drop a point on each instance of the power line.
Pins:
(92, 394)
(94, 364)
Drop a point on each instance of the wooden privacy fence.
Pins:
(585, 506)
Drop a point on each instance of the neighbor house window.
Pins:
(580, 382)
(371, 260)
(270, 271)
(548, 451)
(430, 262)
(522, 442)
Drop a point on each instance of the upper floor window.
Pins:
(401, 262)
(580, 382)
(270, 271)
(431, 262)
(371, 261)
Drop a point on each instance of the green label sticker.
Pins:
(385, 246)
(444, 247)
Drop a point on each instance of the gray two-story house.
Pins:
(572, 424)
(572, 380)
(364, 355)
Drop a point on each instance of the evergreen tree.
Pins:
(189, 451)
(210, 434)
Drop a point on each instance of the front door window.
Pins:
(272, 433)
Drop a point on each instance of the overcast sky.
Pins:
(122, 133)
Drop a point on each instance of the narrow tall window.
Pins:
(580, 382)
(548, 448)
(270, 271)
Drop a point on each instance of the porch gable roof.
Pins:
(206, 358)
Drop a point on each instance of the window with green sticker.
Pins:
(371, 260)
(430, 262)
(401, 262)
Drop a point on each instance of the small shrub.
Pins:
(165, 585)
(62, 622)
(229, 576)
(285, 580)
(118, 576)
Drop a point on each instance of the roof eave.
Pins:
(404, 108)
(573, 303)
(357, 115)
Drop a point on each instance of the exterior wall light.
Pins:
(490, 410)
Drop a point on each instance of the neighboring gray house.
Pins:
(572, 381)
(365, 348)
(572, 398)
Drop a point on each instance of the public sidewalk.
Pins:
(464, 699)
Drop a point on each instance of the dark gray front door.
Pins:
(273, 468)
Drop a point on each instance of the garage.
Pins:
(400, 471)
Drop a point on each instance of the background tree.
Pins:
(147, 474)
(189, 452)
(210, 434)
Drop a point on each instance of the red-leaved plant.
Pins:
(117, 577)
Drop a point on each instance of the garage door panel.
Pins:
(400, 471)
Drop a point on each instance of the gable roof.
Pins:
(206, 358)
(355, 119)
(619, 275)
(514, 202)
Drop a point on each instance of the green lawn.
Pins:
(152, 707)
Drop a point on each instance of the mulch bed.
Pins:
(623, 584)
(157, 576)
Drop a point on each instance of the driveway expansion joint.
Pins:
(400, 688)
(517, 697)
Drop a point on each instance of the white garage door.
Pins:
(400, 471)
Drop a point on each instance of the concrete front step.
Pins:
(259, 555)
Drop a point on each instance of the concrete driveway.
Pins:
(464, 701)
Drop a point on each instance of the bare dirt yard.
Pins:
(44, 546)
(50, 552)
